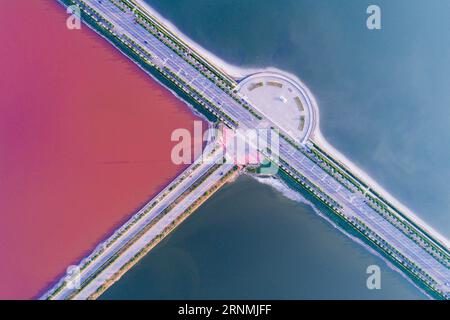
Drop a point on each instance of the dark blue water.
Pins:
(250, 242)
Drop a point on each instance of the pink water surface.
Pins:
(84, 141)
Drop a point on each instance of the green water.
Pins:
(248, 242)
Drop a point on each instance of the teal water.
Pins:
(250, 242)
(384, 100)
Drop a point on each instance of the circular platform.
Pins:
(282, 100)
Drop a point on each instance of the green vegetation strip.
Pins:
(104, 27)
(125, 44)
(153, 28)
(426, 241)
(332, 171)
(169, 228)
(341, 167)
(409, 269)
(181, 45)
(410, 232)
(207, 103)
(143, 231)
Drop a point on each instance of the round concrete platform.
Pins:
(282, 100)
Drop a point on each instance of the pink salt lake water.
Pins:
(84, 141)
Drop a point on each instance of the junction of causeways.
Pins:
(262, 100)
